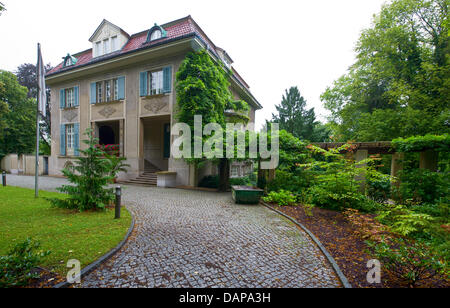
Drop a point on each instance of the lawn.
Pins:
(67, 234)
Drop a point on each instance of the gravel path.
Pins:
(188, 238)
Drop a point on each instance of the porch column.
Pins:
(360, 156)
(121, 138)
(193, 175)
(429, 160)
(396, 167)
(272, 175)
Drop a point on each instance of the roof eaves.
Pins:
(118, 54)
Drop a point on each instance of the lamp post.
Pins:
(118, 200)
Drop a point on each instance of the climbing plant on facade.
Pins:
(203, 88)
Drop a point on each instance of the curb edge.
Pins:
(94, 265)
(331, 260)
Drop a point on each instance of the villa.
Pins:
(124, 89)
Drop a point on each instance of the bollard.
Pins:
(4, 178)
(118, 199)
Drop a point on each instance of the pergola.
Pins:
(428, 158)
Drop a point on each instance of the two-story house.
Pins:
(123, 88)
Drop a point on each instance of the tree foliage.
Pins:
(17, 117)
(293, 116)
(17, 267)
(90, 175)
(26, 75)
(399, 85)
(2, 8)
(203, 88)
(422, 143)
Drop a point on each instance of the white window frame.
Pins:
(69, 97)
(108, 90)
(106, 47)
(99, 90)
(235, 171)
(113, 43)
(70, 137)
(156, 34)
(116, 88)
(155, 82)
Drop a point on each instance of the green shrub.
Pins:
(296, 183)
(422, 143)
(409, 261)
(379, 190)
(244, 181)
(16, 267)
(282, 198)
(324, 197)
(403, 221)
(210, 181)
(423, 186)
(90, 175)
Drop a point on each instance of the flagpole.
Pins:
(36, 171)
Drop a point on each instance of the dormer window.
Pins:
(107, 39)
(69, 60)
(156, 33)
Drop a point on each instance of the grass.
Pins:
(67, 234)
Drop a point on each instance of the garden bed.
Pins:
(67, 234)
(341, 240)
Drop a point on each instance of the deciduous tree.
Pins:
(400, 83)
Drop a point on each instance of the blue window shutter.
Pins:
(62, 142)
(76, 137)
(93, 93)
(167, 72)
(62, 102)
(143, 83)
(77, 96)
(121, 91)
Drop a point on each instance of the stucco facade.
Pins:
(137, 122)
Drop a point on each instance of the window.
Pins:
(98, 48)
(108, 90)
(156, 34)
(68, 62)
(105, 46)
(155, 82)
(113, 43)
(235, 171)
(116, 89)
(70, 133)
(70, 98)
(99, 92)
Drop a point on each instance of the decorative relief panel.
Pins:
(155, 105)
(105, 111)
(69, 115)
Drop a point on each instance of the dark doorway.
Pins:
(106, 134)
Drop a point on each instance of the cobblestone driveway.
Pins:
(202, 239)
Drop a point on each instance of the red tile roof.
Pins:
(175, 29)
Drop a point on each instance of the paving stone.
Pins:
(181, 232)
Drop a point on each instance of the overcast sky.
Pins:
(275, 44)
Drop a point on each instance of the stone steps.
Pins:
(147, 178)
